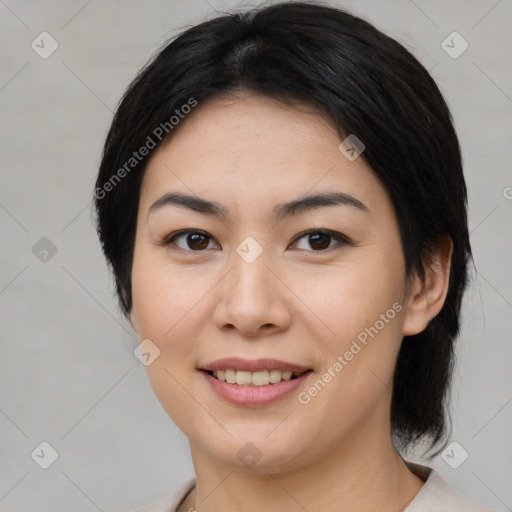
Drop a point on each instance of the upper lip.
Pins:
(254, 365)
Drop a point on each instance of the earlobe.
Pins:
(427, 294)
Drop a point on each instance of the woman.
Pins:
(282, 203)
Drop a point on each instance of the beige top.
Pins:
(436, 495)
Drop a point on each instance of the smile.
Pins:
(261, 378)
(254, 383)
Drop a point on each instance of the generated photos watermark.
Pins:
(305, 397)
(156, 136)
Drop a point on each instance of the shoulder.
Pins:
(439, 496)
(169, 502)
(436, 495)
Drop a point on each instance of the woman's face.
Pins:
(269, 290)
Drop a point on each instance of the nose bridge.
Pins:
(250, 295)
(251, 278)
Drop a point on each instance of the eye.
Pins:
(194, 240)
(320, 239)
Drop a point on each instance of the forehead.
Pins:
(251, 149)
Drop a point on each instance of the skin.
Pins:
(294, 302)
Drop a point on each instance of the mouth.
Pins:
(254, 383)
(261, 378)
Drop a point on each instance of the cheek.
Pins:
(166, 308)
(352, 297)
(361, 304)
(164, 297)
(168, 311)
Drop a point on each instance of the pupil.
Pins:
(196, 239)
(323, 237)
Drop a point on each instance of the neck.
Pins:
(367, 475)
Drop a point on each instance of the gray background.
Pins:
(67, 372)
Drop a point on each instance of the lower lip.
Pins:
(254, 396)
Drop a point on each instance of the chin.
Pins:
(254, 451)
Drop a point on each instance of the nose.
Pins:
(252, 300)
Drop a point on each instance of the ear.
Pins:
(427, 295)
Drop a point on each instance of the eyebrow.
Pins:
(280, 211)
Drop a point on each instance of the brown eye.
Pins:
(320, 240)
(194, 240)
(316, 240)
(197, 241)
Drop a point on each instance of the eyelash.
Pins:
(340, 238)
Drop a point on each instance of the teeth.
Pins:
(275, 376)
(261, 378)
(243, 378)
